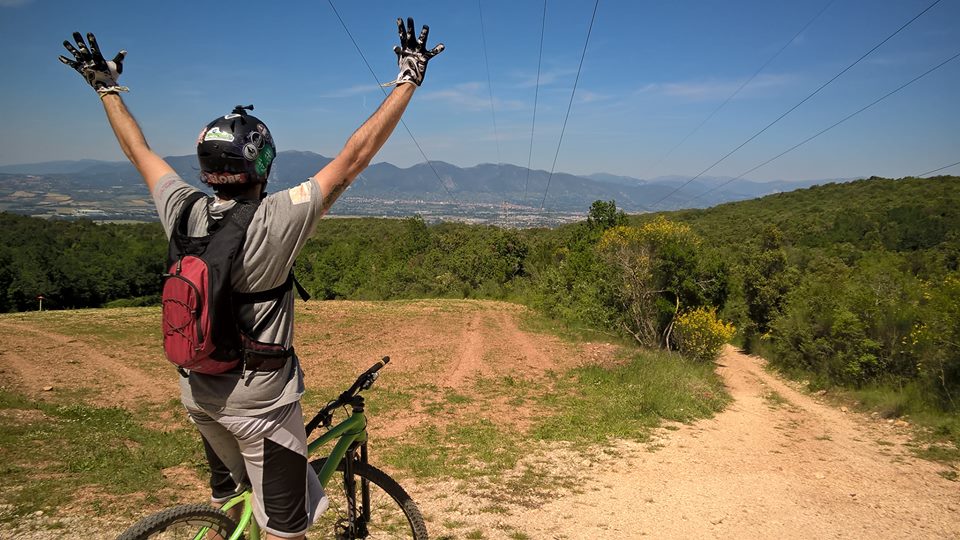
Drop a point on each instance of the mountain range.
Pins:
(434, 182)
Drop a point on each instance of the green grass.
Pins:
(594, 404)
(453, 524)
(775, 400)
(950, 475)
(536, 322)
(112, 325)
(48, 452)
(584, 406)
(936, 433)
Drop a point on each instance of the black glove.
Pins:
(412, 54)
(99, 73)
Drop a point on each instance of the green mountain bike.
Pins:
(366, 504)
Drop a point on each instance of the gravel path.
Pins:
(776, 464)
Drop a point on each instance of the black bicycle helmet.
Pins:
(235, 149)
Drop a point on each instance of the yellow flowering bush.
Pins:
(655, 272)
(700, 334)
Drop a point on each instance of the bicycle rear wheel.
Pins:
(393, 514)
(187, 521)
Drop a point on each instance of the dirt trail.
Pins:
(41, 360)
(776, 463)
(763, 468)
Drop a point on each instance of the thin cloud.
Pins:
(14, 3)
(586, 96)
(529, 79)
(472, 96)
(715, 89)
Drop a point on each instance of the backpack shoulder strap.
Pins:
(183, 220)
(241, 215)
(300, 290)
(274, 293)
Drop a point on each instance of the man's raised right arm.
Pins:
(102, 76)
(134, 145)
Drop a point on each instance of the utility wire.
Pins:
(493, 112)
(938, 170)
(745, 83)
(536, 94)
(486, 61)
(569, 105)
(844, 119)
(377, 79)
(791, 109)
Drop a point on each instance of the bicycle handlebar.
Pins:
(363, 382)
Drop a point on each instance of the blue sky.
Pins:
(652, 72)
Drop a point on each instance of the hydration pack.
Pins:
(200, 324)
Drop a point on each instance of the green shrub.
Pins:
(700, 334)
(936, 341)
(140, 301)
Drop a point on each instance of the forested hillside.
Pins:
(854, 284)
(76, 264)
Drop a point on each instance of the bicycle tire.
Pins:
(393, 514)
(186, 521)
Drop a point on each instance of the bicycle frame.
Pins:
(351, 432)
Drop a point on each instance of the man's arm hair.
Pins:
(132, 141)
(365, 142)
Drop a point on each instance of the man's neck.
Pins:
(251, 193)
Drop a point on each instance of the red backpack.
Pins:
(200, 325)
(200, 331)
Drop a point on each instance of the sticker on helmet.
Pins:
(264, 160)
(214, 134)
(223, 178)
(231, 115)
(200, 136)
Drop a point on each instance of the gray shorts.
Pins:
(269, 452)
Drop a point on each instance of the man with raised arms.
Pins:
(249, 417)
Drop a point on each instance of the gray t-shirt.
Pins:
(280, 228)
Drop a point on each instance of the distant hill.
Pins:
(437, 182)
(901, 215)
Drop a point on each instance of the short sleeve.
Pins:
(280, 228)
(169, 195)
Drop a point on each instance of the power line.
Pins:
(536, 94)
(486, 61)
(377, 79)
(745, 83)
(493, 112)
(938, 170)
(791, 109)
(844, 119)
(569, 105)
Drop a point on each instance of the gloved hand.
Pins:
(99, 73)
(412, 54)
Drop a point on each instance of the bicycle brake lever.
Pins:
(369, 381)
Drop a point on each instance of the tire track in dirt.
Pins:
(469, 356)
(44, 359)
(526, 357)
(771, 465)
